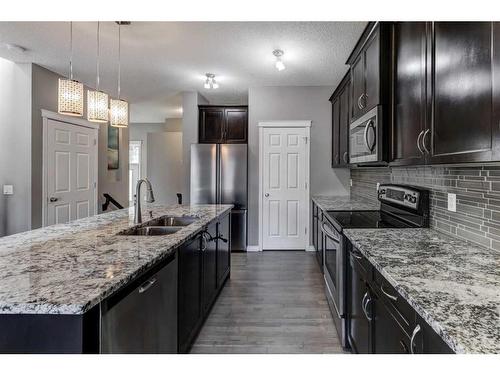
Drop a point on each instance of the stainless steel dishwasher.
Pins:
(142, 318)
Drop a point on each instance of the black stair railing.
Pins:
(110, 199)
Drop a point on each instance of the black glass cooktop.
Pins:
(367, 219)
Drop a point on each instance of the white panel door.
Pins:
(284, 188)
(70, 173)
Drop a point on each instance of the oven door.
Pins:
(334, 266)
(364, 138)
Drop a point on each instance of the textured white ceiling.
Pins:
(161, 59)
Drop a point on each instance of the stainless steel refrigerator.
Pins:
(219, 175)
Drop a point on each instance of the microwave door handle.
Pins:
(366, 135)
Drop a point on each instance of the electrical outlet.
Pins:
(350, 181)
(378, 185)
(452, 202)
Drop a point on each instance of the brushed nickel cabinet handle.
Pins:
(148, 284)
(345, 157)
(360, 106)
(390, 296)
(418, 142)
(414, 334)
(423, 141)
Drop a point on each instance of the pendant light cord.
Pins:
(97, 81)
(119, 60)
(71, 50)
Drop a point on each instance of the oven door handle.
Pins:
(328, 233)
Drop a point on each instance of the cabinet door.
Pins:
(335, 132)
(389, 337)
(223, 250)
(236, 125)
(190, 312)
(357, 86)
(371, 96)
(320, 239)
(344, 127)
(409, 100)
(211, 125)
(463, 127)
(427, 341)
(359, 325)
(209, 250)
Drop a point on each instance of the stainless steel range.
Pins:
(401, 206)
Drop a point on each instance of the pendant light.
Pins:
(210, 82)
(279, 62)
(97, 100)
(118, 110)
(70, 92)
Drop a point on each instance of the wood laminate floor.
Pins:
(273, 303)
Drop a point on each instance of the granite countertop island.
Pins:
(69, 268)
(453, 285)
(344, 203)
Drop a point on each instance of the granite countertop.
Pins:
(69, 268)
(344, 203)
(454, 285)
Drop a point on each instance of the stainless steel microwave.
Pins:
(365, 137)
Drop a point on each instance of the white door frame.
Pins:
(49, 115)
(283, 124)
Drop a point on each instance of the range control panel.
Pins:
(401, 195)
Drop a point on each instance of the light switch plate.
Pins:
(350, 181)
(378, 185)
(8, 189)
(452, 202)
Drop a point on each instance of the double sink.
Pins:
(161, 226)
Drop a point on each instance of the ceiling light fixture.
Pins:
(97, 110)
(118, 110)
(70, 92)
(279, 63)
(210, 82)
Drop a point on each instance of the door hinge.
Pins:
(95, 142)
(95, 185)
(305, 230)
(305, 184)
(305, 140)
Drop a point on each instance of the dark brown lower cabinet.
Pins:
(189, 292)
(380, 320)
(209, 252)
(223, 250)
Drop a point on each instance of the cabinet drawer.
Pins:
(397, 305)
(364, 266)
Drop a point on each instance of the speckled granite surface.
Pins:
(344, 203)
(69, 268)
(454, 285)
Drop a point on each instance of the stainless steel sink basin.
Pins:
(172, 221)
(150, 231)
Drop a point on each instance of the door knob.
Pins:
(266, 195)
(53, 199)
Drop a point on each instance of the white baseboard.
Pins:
(253, 248)
(311, 248)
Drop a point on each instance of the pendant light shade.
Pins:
(70, 98)
(97, 101)
(70, 92)
(118, 110)
(97, 110)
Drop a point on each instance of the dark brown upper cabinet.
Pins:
(370, 69)
(340, 123)
(464, 62)
(409, 41)
(446, 92)
(223, 124)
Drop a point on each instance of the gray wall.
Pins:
(164, 141)
(190, 102)
(293, 103)
(165, 165)
(15, 146)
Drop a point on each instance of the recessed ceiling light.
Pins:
(279, 63)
